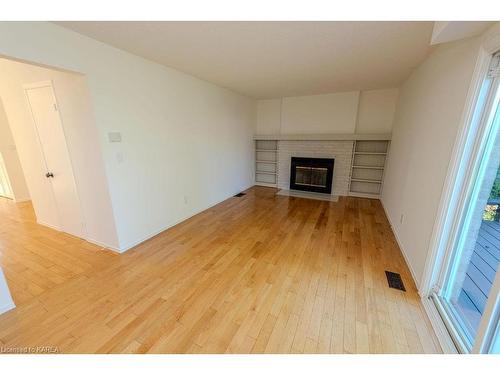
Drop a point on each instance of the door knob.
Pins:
(49, 174)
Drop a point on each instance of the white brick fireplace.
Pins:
(341, 151)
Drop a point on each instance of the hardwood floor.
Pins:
(257, 274)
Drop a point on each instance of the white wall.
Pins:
(268, 116)
(6, 302)
(376, 111)
(336, 113)
(427, 118)
(11, 159)
(320, 114)
(187, 144)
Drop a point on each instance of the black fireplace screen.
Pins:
(312, 174)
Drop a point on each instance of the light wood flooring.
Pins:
(257, 274)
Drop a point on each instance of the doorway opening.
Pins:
(59, 222)
(41, 169)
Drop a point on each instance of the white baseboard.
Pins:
(133, 244)
(430, 309)
(413, 274)
(91, 240)
(168, 226)
(122, 249)
(21, 200)
(102, 244)
(48, 225)
(7, 307)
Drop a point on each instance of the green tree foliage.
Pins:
(495, 190)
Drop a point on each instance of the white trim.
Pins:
(457, 184)
(154, 233)
(442, 334)
(430, 309)
(323, 137)
(450, 322)
(21, 200)
(488, 328)
(37, 85)
(39, 222)
(435, 253)
(102, 244)
(442, 226)
(408, 263)
(59, 229)
(7, 307)
(91, 240)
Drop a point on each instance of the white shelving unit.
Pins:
(266, 163)
(367, 168)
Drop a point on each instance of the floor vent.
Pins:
(239, 195)
(395, 281)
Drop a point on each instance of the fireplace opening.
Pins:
(312, 174)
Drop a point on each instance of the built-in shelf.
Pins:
(366, 180)
(369, 153)
(323, 137)
(367, 167)
(265, 172)
(266, 152)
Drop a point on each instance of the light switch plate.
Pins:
(115, 137)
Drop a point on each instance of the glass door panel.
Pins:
(479, 262)
(475, 255)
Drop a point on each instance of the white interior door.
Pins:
(45, 113)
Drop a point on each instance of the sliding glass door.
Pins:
(468, 290)
(477, 255)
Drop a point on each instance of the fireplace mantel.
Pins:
(322, 137)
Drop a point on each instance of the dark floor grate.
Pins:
(395, 281)
(239, 195)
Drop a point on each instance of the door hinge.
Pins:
(55, 107)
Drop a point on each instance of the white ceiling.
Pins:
(447, 31)
(274, 59)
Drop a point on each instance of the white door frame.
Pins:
(4, 176)
(49, 83)
(453, 190)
